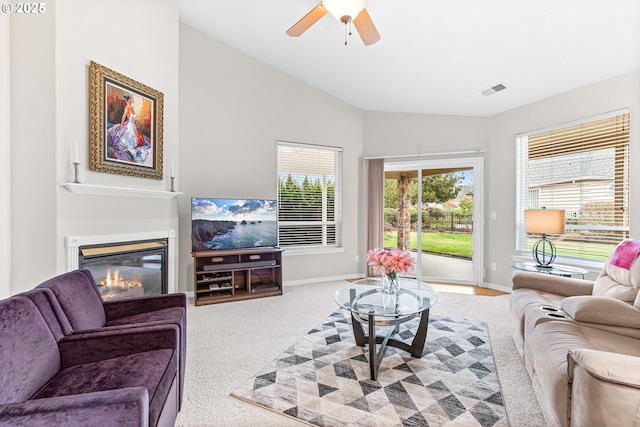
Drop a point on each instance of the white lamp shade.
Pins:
(544, 221)
(340, 8)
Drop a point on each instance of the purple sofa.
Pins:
(110, 377)
(80, 309)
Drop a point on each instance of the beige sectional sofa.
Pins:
(580, 341)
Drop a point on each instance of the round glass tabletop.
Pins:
(365, 297)
(555, 269)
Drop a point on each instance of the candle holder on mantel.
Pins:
(173, 178)
(76, 173)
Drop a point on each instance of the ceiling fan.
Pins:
(344, 11)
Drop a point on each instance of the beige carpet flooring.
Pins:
(228, 343)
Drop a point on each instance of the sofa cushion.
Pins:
(521, 300)
(550, 284)
(29, 352)
(606, 388)
(51, 311)
(112, 408)
(602, 310)
(78, 298)
(159, 316)
(617, 281)
(605, 286)
(547, 347)
(153, 370)
(166, 314)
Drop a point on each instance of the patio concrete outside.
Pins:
(447, 267)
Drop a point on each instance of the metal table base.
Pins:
(415, 348)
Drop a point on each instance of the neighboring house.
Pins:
(584, 185)
(591, 180)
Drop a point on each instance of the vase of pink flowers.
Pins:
(390, 263)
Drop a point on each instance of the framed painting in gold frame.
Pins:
(125, 118)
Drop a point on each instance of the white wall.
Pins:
(393, 134)
(5, 157)
(33, 149)
(50, 97)
(232, 110)
(608, 95)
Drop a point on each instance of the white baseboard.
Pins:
(501, 288)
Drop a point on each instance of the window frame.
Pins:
(523, 191)
(323, 246)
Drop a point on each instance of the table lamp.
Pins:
(544, 221)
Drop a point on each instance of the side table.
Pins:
(555, 269)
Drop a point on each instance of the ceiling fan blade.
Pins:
(307, 21)
(368, 32)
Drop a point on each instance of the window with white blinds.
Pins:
(582, 168)
(309, 195)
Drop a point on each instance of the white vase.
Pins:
(390, 283)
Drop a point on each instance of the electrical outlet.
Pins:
(493, 266)
(493, 215)
(357, 258)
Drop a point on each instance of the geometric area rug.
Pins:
(323, 379)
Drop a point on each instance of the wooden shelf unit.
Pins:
(234, 275)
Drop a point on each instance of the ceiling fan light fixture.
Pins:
(345, 8)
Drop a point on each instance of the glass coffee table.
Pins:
(370, 306)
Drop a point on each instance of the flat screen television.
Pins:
(218, 224)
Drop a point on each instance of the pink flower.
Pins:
(392, 261)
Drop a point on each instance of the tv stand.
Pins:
(234, 275)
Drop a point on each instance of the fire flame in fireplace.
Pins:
(115, 283)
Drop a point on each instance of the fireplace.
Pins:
(126, 265)
(127, 270)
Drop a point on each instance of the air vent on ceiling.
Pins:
(493, 89)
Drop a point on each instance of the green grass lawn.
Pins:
(595, 251)
(460, 245)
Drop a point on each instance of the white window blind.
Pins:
(309, 195)
(582, 168)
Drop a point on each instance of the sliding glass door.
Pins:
(431, 209)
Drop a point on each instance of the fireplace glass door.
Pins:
(127, 270)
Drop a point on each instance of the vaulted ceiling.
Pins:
(436, 56)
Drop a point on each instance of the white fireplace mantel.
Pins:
(103, 190)
(73, 244)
